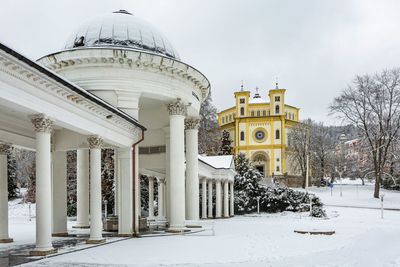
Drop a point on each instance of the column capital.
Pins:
(95, 141)
(41, 123)
(192, 123)
(161, 180)
(150, 178)
(177, 108)
(4, 148)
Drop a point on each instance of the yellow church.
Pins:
(259, 128)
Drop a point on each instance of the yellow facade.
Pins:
(260, 128)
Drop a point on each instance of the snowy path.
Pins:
(361, 239)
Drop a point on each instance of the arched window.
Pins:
(264, 113)
(258, 113)
(230, 117)
(223, 119)
(276, 109)
(252, 113)
(277, 134)
(241, 136)
(242, 111)
(278, 169)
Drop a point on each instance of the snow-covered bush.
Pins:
(248, 189)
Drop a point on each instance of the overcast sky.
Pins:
(314, 47)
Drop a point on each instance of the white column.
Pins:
(167, 173)
(161, 196)
(218, 199)
(192, 169)
(204, 198)
(59, 193)
(4, 237)
(82, 188)
(43, 127)
(177, 112)
(210, 198)
(96, 224)
(125, 191)
(116, 178)
(151, 197)
(232, 201)
(226, 198)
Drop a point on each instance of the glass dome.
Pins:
(121, 29)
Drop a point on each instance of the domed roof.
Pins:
(121, 29)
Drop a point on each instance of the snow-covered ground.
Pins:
(357, 195)
(362, 239)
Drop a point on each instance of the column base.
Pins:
(218, 217)
(210, 217)
(60, 234)
(81, 226)
(6, 240)
(39, 252)
(126, 235)
(95, 241)
(177, 231)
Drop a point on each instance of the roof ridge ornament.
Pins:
(276, 83)
(123, 11)
(256, 95)
(241, 86)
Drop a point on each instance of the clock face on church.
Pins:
(260, 135)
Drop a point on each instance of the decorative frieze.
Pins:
(41, 123)
(4, 148)
(95, 141)
(177, 108)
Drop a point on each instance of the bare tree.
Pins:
(322, 146)
(299, 141)
(372, 103)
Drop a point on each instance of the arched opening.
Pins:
(277, 134)
(241, 136)
(242, 111)
(277, 109)
(260, 161)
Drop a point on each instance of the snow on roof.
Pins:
(218, 162)
(257, 100)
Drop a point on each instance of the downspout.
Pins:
(134, 192)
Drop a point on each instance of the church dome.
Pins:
(121, 29)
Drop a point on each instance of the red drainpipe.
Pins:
(134, 192)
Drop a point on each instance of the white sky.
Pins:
(314, 47)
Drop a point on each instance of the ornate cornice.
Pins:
(95, 141)
(192, 123)
(177, 108)
(129, 59)
(41, 123)
(42, 82)
(4, 148)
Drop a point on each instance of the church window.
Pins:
(277, 98)
(277, 134)
(241, 136)
(252, 113)
(277, 109)
(242, 111)
(258, 113)
(223, 119)
(242, 101)
(230, 117)
(264, 113)
(278, 169)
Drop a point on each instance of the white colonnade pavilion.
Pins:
(110, 90)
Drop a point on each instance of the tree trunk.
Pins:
(377, 185)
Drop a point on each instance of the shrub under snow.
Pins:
(248, 189)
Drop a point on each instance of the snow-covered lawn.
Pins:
(357, 195)
(362, 239)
